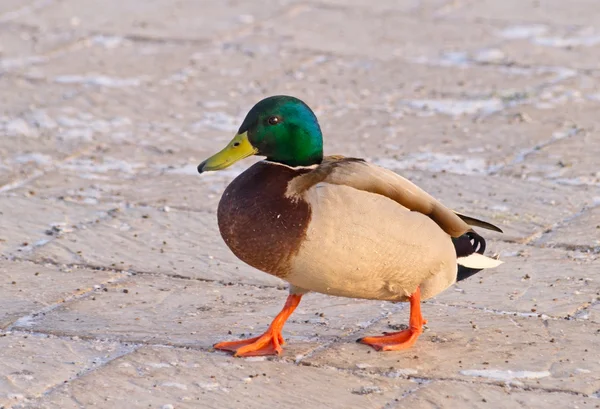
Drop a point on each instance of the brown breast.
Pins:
(259, 224)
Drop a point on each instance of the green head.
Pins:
(282, 128)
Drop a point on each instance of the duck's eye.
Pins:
(274, 120)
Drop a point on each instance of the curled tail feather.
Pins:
(469, 255)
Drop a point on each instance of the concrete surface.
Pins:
(114, 282)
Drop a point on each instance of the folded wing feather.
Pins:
(364, 176)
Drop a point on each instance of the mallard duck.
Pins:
(335, 225)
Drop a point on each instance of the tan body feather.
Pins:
(363, 245)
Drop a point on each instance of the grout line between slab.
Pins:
(525, 153)
(132, 272)
(24, 321)
(127, 350)
(561, 223)
(38, 173)
(520, 314)
(420, 385)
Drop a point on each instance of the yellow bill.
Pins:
(238, 149)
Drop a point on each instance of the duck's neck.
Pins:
(306, 152)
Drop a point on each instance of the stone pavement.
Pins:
(114, 282)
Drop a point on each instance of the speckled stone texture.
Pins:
(114, 281)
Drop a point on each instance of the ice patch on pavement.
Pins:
(537, 34)
(175, 385)
(436, 162)
(158, 365)
(107, 41)
(107, 165)
(401, 373)
(17, 127)
(38, 158)
(98, 80)
(221, 121)
(209, 386)
(523, 31)
(502, 375)
(562, 42)
(20, 62)
(457, 107)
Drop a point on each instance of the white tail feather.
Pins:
(477, 260)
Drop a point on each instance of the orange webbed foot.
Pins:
(393, 342)
(397, 341)
(268, 343)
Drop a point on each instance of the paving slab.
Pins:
(402, 6)
(18, 95)
(446, 128)
(546, 47)
(211, 91)
(581, 232)
(442, 394)
(571, 96)
(524, 13)
(570, 161)
(29, 141)
(178, 243)
(113, 62)
(35, 137)
(163, 377)
(197, 314)
(381, 35)
(498, 200)
(29, 222)
(65, 123)
(24, 46)
(32, 365)
(532, 281)
(29, 288)
(9, 7)
(412, 80)
(25, 157)
(480, 347)
(592, 313)
(177, 187)
(156, 20)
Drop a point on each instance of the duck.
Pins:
(336, 225)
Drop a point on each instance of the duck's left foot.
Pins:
(268, 343)
(394, 341)
(404, 339)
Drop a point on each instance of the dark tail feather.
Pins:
(471, 221)
(465, 245)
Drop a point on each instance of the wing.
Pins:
(361, 175)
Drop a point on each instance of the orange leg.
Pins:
(268, 343)
(404, 339)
